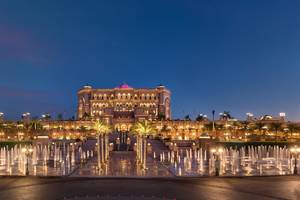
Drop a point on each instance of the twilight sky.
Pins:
(240, 56)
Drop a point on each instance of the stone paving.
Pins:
(122, 164)
(38, 170)
(247, 188)
(98, 197)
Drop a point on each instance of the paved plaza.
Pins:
(31, 188)
(122, 164)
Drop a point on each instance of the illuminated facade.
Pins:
(175, 130)
(123, 105)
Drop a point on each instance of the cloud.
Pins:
(15, 92)
(19, 45)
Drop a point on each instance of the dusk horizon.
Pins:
(69, 110)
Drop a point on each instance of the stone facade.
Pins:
(123, 105)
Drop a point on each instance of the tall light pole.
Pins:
(213, 125)
(27, 151)
(295, 152)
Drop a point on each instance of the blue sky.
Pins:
(241, 56)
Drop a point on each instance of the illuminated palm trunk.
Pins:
(98, 150)
(106, 147)
(145, 153)
(137, 148)
(102, 149)
(141, 150)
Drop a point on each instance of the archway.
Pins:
(124, 140)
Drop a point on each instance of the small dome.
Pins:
(161, 86)
(87, 87)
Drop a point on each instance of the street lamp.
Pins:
(1, 114)
(213, 116)
(26, 117)
(216, 153)
(28, 151)
(295, 152)
(249, 116)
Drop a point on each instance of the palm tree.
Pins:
(161, 116)
(292, 128)
(227, 115)
(59, 117)
(209, 126)
(200, 118)
(35, 126)
(246, 126)
(187, 118)
(276, 126)
(21, 127)
(219, 128)
(165, 131)
(142, 130)
(2, 129)
(259, 126)
(101, 129)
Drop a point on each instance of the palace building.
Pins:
(123, 105)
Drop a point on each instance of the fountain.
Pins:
(246, 161)
(53, 159)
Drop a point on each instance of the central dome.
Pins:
(124, 86)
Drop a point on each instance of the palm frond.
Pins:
(143, 128)
(101, 127)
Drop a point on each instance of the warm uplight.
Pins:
(219, 150)
(27, 150)
(295, 149)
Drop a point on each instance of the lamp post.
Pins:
(216, 153)
(1, 116)
(213, 125)
(26, 117)
(295, 152)
(27, 151)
